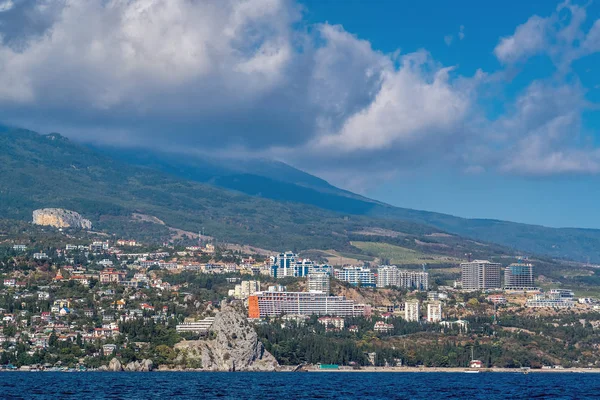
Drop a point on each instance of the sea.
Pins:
(302, 385)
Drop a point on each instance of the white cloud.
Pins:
(448, 39)
(249, 76)
(543, 135)
(107, 54)
(6, 5)
(528, 39)
(410, 107)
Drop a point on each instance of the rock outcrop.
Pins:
(232, 345)
(59, 218)
(137, 366)
(115, 365)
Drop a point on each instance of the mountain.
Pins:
(50, 171)
(283, 183)
(268, 204)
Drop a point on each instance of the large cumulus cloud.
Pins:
(250, 76)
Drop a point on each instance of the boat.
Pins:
(471, 371)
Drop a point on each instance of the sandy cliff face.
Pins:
(234, 347)
(59, 218)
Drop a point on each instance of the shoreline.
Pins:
(290, 369)
(456, 370)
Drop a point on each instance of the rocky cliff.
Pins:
(232, 345)
(134, 366)
(59, 218)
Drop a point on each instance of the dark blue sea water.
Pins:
(291, 386)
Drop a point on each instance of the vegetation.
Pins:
(391, 254)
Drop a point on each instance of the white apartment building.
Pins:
(391, 275)
(412, 311)
(318, 282)
(336, 322)
(245, 289)
(434, 311)
(356, 276)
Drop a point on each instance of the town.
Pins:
(86, 306)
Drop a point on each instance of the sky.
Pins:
(477, 109)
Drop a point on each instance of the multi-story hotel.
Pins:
(480, 275)
(318, 282)
(434, 311)
(412, 311)
(272, 304)
(518, 276)
(556, 298)
(390, 275)
(356, 276)
(281, 265)
(288, 264)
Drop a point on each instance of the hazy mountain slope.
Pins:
(50, 171)
(257, 177)
(280, 182)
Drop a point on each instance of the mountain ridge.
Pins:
(234, 204)
(581, 244)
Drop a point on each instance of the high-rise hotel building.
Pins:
(518, 276)
(480, 275)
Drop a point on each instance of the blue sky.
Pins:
(474, 108)
(563, 200)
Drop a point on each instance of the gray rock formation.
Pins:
(115, 365)
(137, 366)
(146, 366)
(59, 218)
(232, 345)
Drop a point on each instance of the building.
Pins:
(556, 298)
(10, 282)
(272, 304)
(562, 293)
(303, 267)
(518, 277)
(356, 276)
(109, 349)
(461, 325)
(318, 282)
(282, 264)
(434, 311)
(20, 247)
(98, 247)
(199, 327)
(497, 299)
(383, 327)
(480, 275)
(245, 289)
(412, 311)
(336, 322)
(390, 275)
(111, 275)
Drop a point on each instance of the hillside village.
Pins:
(121, 304)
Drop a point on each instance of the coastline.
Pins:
(455, 370)
(410, 370)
